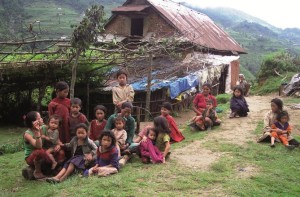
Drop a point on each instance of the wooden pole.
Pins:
(148, 95)
(73, 79)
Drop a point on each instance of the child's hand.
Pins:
(144, 139)
(57, 148)
(164, 160)
(95, 170)
(88, 157)
(279, 131)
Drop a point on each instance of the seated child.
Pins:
(51, 140)
(149, 152)
(238, 103)
(83, 151)
(107, 156)
(176, 135)
(98, 124)
(75, 116)
(120, 134)
(163, 138)
(208, 118)
(281, 130)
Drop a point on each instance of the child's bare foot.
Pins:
(54, 164)
(38, 175)
(272, 145)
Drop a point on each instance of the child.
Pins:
(120, 134)
(163, 138)
(107, 156)
(176, 135)
(83, 150)
(35, 156)
(98, 124)
(75, 116)
(123, 92)
(201, 98)
(51, 140)
(238, 103)
(208, 118)
(243, 84)
(61, 107)
(281, 130)
(149, 152)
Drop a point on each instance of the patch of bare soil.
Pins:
(246, 172)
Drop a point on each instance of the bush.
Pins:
(12, 147)
(223, 98)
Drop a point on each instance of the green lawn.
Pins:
(242, 170)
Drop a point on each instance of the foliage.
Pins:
(223, 98)
(282, 62)
(12, 147)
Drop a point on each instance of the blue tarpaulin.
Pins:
(176, 86)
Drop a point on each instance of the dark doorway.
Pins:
(222, 80)
(137, 25)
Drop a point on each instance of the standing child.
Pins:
(123, 92)
(61, 107)
(281, 130)
(107, 156)
(163, 138)
(149, 152)
(98, 124)
(83, 151)
(176, 135)
(75, 116)
(238, 103)
(208, 119)
(51, 140)
(120, 134)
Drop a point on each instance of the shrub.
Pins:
(223, 98)
(13, 147)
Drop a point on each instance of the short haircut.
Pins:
(100, 107)
(278, 103)
(151, 129)
(109, 134)
(61, 85)
(76, 101)
(126, 105)
(30, 117)
(239, 88)
(167, 105)
(282, 114)
(83, 126)
(209, 101)
(119, 118)
(56, 117)
(122, 72)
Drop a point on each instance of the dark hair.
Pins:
(119, 118)
(210, 101)
(61, 85)
(126, 105)
(161, 125)
(282, 114)
(110, 134)
(207, 85)
(239, 88)
(151, 129)
(56, 117)
(100, 107)
(30, 117)
(76, 101)
(83, 126)
(278, 103)
(167, 105)
(122, 72)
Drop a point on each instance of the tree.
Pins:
(84, 35)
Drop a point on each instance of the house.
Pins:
(210, 54)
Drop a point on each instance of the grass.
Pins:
(274, 173)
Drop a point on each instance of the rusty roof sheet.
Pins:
(130, 8)
(197, 27)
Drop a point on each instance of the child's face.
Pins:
(284, 119)
(81, 133)
(106, 142)
(209, 105)
(237, 93)
(205, 90)
(62, 93)
(53, 123)
(99, 114)
(119, 125)
(75, 108)
(164, 111)
(126, 112)
(152, 135)
(122, 79)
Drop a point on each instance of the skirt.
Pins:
(77, 160)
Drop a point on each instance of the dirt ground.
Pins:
(237, 131)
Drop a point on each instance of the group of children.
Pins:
(100, 147)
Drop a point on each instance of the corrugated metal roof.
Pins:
(130, 8)
(196, 26)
